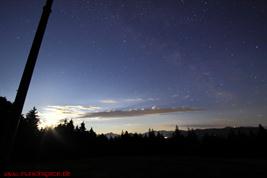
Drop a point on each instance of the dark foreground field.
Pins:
(154, 166)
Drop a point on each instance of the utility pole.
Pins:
(18, 104)
(28, 71)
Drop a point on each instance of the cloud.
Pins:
(108, 101)
(134, 100)
(136, 112)
(79, 107)
(127, 100)
(51, 115)
(175, 95)
(71, 108)
(152, 99)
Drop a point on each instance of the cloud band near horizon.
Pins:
(140, 112)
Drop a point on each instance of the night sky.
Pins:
(139, 64)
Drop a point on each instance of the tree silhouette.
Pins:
(5, 114)
(92, 133)
(151, 134)
(32, 119)
(70, 126)
(82, 127)
(67, 140)
(177, 132)
(28, 136)
(6, 118)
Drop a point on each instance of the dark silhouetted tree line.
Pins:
(67, 141)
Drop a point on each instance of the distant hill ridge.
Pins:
(220, 132)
